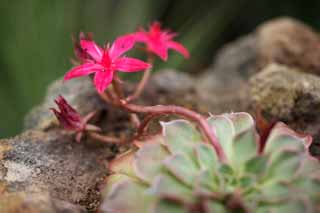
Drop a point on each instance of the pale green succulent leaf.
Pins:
(207, 183)
(125, 197)
(245, 147)
(167, 186)
(148, 161)
(206, 157)
(242, 121)
(168, 206)
(257, 165)
(112, 180)
(225, 132)
(283, 165)
(285, 207)
(212, 206)
(309, 186)
(123, 164)
(275, 191)
(281, 137)
(180, 136)
(182, 167)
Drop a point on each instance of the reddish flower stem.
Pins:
(104, 138)
(144, 125)
(143, 81)
(177, 110)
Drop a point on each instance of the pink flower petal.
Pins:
(81, 70)
(179, 48)
(126, 64)
(141, 36)
(92, 49)
(102, 79)
(121, 45)
(159, 49)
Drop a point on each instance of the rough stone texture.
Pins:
(35, 203)
(41, 162)
(288, 95)
(289, 42)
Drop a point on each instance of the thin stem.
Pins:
(108, 97)
(144, 125)
(186, 113)
(143, 81)
(104, 138)
(135, 119)
(118, 89)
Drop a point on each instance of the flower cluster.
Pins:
(103, 62)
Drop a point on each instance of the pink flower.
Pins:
(70, 119)
(159, 41)
(104, 62)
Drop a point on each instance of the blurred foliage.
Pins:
(36, 47)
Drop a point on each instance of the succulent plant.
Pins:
(178, 171)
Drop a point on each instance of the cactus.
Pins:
(178, 172)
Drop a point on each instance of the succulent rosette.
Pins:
(178, 171)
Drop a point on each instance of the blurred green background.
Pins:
(36, 45)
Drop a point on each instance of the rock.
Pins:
(290, 42)
(224, 85)
(52, 162)
(35, 203)
(233, 64)
(289, 95)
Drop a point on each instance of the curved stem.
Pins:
(186, 113)
(143, 82)
(104, 138)
(144, 124)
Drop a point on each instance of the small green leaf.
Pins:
(182, 167)
(275, 191)
(212, 206)
(246, 181)
(168, 206)
(206, 183)
(167, 186)
(180, 136)
(309, 187)
(283, 165)
(148, 161)
(226, 170)
(206, 157)
(256, 165)
(127, 197)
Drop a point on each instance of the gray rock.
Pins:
(35, 203)
(52, 162)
